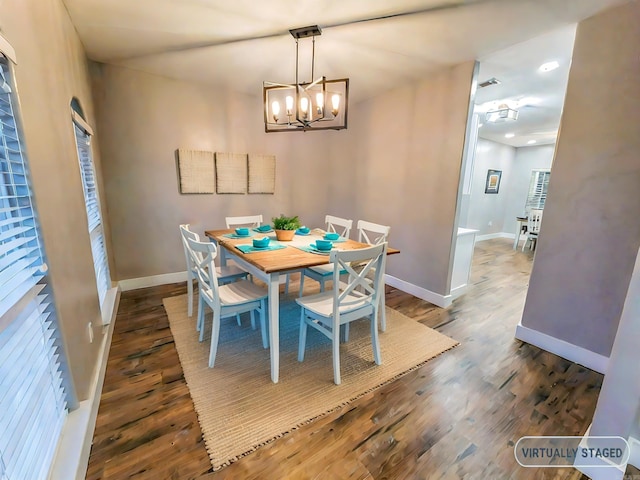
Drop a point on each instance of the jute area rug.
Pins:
(238, 406)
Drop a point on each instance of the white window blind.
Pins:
(538, 189)
(33, 398)
(92, 202)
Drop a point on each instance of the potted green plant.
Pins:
(285, 227)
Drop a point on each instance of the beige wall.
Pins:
(144, 118)
(51, 70)
(590, 231)
(402, 172)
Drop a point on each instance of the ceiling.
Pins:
(378, 44)
(537, 96)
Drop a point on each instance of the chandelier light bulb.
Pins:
(319, 102)
(275, 109)
(289, 104)
(304, 106)
(335, 104)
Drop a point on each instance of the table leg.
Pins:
(274, 325)
(223, 256)
(518, 230)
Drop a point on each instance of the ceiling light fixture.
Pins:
(547, 67)
(319, 104)
(509, 135)
(491, 81)
(502, 114)
(531, 142)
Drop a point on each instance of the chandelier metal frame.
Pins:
(320, 104)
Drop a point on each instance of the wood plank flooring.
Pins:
(458, 416)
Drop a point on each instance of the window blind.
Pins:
(538, 189)
(92, 202)
(33, 405)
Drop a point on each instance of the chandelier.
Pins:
(319, 104)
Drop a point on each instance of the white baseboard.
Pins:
(437, 299)
(152, 281)
(567, 350)
(490, 236)
(72, 456)
(456, 292)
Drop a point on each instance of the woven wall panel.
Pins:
(231, 172)
(196, 171)
(262, 173)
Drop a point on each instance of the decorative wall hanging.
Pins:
(196, 171)
(262, 173)
(231, 172)
(493, 181)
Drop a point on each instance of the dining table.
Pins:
(270, 265)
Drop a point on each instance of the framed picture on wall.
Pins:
(493, 181)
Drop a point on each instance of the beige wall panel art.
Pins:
(231, 172)
(196, 169)
(262, 173)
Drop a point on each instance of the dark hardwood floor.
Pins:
(458, 416)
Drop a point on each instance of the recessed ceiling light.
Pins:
(531, 142)
(509, 135)
(480, 125)
(547, 67)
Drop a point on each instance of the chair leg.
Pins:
(189, 295)
(301, 284)
(322, 285)
(253, 320)
(345, 336)
(238, 319)
(382, 312)
(200, 322)
(336, 356)
(286, 285)
(303, 336)
(263, 325)
(215, 335)
(374, 338)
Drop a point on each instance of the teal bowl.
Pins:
(304, 230)
(324, 245)
(242, 231)
(264, 228)
(331, 236)
(261, 242)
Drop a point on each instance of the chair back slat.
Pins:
(247, 221)
(203, 255)
(338, 225)
(534, 221)
(186, 233)
(372, 259)
(372, 233)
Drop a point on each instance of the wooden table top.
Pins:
(285, 259)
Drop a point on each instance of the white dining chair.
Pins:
(348, 301)
(226, 300)
(247, 221)
(338, 225)
(225, 274)
(533, 228)
(374, 234)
